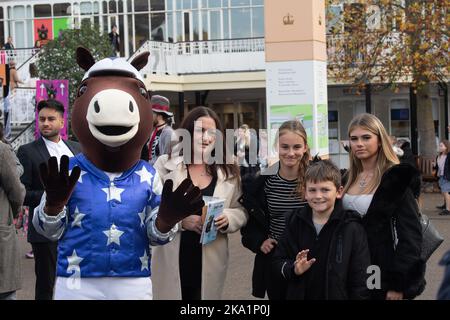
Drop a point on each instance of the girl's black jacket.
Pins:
(401, 268)
(256, 230)
(341, 252)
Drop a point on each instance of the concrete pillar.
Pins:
(296, 77)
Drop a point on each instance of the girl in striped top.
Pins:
(268, 198)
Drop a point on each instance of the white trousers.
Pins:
(103, 288)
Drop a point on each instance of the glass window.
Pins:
(158, 5)
(112, 7)
(236, 3)
(130, 35)
(2, 30)
(258, 22)
(105, 24)
(158, 25)
(215, 25)
(96, 8)
(140, 5)
(205, 34)
(169, 34)
(258, 2)
(42, 10)
(29, 13)
(129, 6)
(61, 9)
(215, 3)
(195, 25)
(18, 12)
(180, 28)
(141, 29)
(120, 6)
(186, 4)
(226, 24)
(169, 5)
(240, 23)
(86, 8)
(105, 7)
(1, 16)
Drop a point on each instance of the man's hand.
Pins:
(394, 295)
(302, 264)
(58, 185)
(178, 204)
(193, 223)
(268, 245)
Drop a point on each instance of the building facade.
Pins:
(206, 52)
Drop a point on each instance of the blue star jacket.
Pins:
(107, 226)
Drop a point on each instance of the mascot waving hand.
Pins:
(106, 206)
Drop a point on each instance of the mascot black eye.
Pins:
(143, 92)
(82, 90)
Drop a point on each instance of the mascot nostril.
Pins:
(96, 107)
(131, 107)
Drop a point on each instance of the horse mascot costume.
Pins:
(105, 206)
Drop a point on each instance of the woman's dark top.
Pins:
(191, 250)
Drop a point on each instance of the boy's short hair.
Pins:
(51, 104)
(323, 170)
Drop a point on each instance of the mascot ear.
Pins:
(140, 60)
(84, 58)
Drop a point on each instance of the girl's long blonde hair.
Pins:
(296, 127)
(386, 157)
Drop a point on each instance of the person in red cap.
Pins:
(163, 134)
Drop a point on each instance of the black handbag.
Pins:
(431, 238)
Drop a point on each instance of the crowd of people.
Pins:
(315, 229)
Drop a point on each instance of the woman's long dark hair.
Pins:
(188, 123)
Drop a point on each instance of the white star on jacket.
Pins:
(142, 217)
(113, 193)
(113, 235)
(144, 261)
(74, 262)
(77, 217)
(145, 175)
(82, 173)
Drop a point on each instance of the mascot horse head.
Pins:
(112, 115)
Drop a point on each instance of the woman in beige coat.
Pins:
(183, 268)
(12, 193)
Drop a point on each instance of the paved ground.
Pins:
(238, 282)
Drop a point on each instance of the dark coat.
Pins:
(341, 252)
(444, 290)
(401, 269)
(256, 231)
(31, 155)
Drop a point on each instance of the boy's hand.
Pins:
(268, 245)
(302, 264)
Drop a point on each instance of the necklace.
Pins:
(363, 182)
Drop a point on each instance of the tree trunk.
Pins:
(425, 123)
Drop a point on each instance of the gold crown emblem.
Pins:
(288, 19)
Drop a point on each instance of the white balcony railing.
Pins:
(19, 56)
(22, 105)
(203, 56)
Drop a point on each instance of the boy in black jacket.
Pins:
(323, 253)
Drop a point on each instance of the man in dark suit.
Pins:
(31, 155)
